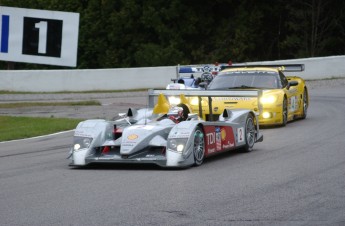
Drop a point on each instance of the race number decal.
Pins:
(240, 134)
(293, 103)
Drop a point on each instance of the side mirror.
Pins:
(292, 83)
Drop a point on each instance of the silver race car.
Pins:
(166, 134)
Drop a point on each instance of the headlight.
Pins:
(76, 147)
(180, 148)
(81, 142)
(174, 100)
(177, 145)
(269, 99)
(266, 115)
(194, 101)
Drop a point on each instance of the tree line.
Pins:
(142, 33)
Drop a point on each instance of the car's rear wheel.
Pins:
(249, 132)
(199, 146)
(284, 112)
(305, 104)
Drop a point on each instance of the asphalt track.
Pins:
(295, 177)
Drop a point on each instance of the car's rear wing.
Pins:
(282, 67)
(208, 94)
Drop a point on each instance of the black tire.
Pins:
(199, 146)
(250, 134)
(305, 104)
(284, 112)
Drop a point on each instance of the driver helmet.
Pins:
(176, 114)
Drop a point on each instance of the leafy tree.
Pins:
(312, 25)
(137, 33)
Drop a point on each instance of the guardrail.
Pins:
(139, 78)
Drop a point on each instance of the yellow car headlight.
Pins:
(174, 100)
(194, 101)
(269, 99)
(266, 115)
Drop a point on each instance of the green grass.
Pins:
(39, 104)
(13, 128)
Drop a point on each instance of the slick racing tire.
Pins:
(199, 146)
(305, 104)
(249, 132)
(284, 113)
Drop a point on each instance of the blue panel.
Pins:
(5, 27)
(186, 70)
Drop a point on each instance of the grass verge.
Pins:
(13, 128)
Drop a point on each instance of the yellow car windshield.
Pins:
(245, 79)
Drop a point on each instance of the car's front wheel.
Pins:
(284, 112)
(249, 132)
(199, 146)
(305, 104)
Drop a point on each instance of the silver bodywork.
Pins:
(145, 137)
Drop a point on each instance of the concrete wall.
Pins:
(317, 67)
(139, 78)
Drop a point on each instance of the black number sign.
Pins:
(42, 37)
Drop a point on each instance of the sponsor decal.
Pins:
(218, 138)
(180, 134)
(132, 137)
(211, 150)
(232, 98)
(210, 138)
(128, 144)
(82, 134)
(223, 134)
(229, 145)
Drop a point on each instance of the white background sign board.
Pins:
(39, 36)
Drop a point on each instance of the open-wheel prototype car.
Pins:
(166, 135)
(284, 98)
(190, 76)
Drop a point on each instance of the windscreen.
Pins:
(245, 79)
(188, 81)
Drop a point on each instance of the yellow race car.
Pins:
(284, 98)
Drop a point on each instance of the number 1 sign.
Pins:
(38, 36)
